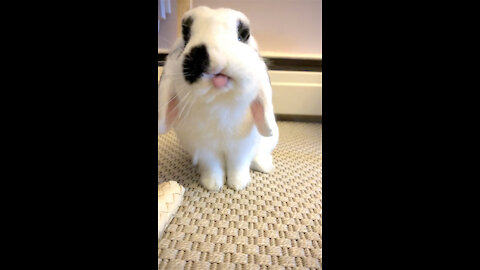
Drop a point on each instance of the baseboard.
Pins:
(296, 92)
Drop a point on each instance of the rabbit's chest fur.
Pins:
(217, 125)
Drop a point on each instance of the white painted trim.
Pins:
(296, 92)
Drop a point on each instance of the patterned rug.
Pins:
(275, 223)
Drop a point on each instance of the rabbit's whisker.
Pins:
(184, 100)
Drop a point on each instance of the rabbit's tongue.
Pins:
(219, 80)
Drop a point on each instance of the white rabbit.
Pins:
(216, 93)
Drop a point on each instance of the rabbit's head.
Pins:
(216, 58)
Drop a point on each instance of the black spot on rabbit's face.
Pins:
(243, 32)
(186, 29)
(196, 63)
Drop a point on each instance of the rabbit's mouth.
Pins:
(220, 80)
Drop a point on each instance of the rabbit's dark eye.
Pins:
(186, 25)
(243, 32)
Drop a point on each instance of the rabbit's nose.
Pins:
(217, 61)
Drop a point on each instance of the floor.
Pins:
(275, 223)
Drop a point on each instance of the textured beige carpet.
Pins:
(275, 223)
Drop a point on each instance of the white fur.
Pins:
(216, 125)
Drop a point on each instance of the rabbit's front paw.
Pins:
(263, 163)
(212, 182)
(238, 180)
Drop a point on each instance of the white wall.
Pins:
(168, 28)
(280, 26)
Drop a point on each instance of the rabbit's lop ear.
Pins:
(262, 110)
(167, 105)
